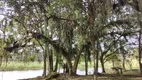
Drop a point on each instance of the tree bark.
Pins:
(86, 64)
(95, 64)
(113, 63)
(50, 61)
(44, 60)
(70, 67)
(140, 53)
(56, 63)
(96, 59)
(96, 67)
(1, 60)
(58, 48)
(77, 60)
(123, 62)
(102, 64)
(76, 63)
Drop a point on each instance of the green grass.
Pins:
(10, 66)
(108, 65)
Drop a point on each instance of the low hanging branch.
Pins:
(56, 46)
(112, 53)
(16, 45)
(10, 49)
(53, 43)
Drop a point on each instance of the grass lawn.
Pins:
(10, 66)
(129, 74)
(108, 65)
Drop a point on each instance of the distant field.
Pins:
(134, 65)
(10, 66)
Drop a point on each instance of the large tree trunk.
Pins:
(68, 61)
(76, 61)
(123, 62)
(57, 47)
(56, 63)
(96, 61)
(70, 67)
(70, 51)
(102, 64)
(1, 60)
(139, 6)
(50, 61)
(140, 53)
(113, 65)
(76, 64)
(44, 60)
(96, 67)
(86, 64)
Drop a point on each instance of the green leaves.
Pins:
(65, 23)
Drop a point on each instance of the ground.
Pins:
(131, 74)
(90, 77)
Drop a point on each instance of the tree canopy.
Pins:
(69, 29)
